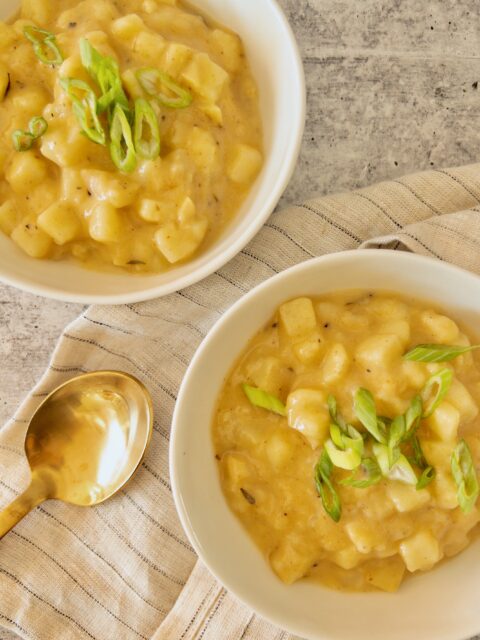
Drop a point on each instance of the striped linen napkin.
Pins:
(124, 570)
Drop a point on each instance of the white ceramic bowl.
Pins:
(439, 605)
(277, 67)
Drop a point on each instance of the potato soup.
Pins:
(130, 131)
(347, 439)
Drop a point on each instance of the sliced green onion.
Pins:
(85, 109)
(334, 415)
(428, 475)
(264, 400)
(37, 126)
(368, 474)
(435, 390)
(413, 416)
(153, 82)
(146, 131)
(44, 45)
(348, 459)
(326, 490)
(464, 474)
(418, 455)
(23, 140)
(122, 148)
(395, 436)
(437, 352)
(364, 406)
(402, 470)
(380, 451)
(337, 436)
(106, 73)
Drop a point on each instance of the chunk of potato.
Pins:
(8, 217)
(205, 77)
(119, 192)
(175, 57)
(60, 222)
(407, 498)
(335, 364)
(459, 396)
(308, 413)
(348, 558)
(444, 422)
(65, 145)
(421, 551)
(364, 535)
(268, 373)
(445, 490)
(379, 351)
(228, 47)
(35, 242)
(415, 373)
(386, 574)
(149, 46)
(180, 239)
(290, 561)
(244, 164)
(105, 223)
(310, 350)
(440, 328)
(298, 317)
(26, 171)
(127, 27)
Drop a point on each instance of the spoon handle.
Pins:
(36, 493)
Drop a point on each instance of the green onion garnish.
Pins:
(153, 82)
(106, 73)
(428, 472)
(348, 458)
(85, 109)
(37, 126)
(402, 470)
(413, 416)
(122, 148)
(428, 475)
(437, 352)
(264, 400)
(44, 45)
(325, 488)
(364, 406)
(23, 140)
(369, 475)
(465, 476)
(146, 131)
(435, 390)
(396, 434)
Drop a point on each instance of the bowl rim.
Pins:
(222, 574)
(265, 209)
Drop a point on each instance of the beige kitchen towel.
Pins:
(125, 570)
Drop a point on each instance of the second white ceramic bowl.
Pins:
(438, 605)
(277, 67)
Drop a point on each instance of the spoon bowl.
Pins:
(85, 442)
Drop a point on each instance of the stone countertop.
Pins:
(392, 88)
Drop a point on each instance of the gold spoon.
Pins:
(85, 442)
